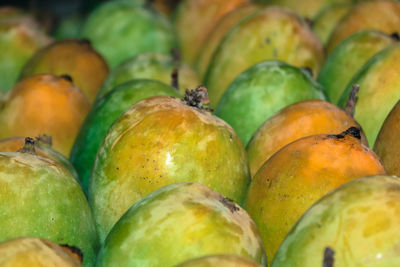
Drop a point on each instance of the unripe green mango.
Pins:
(180, 222)
(379, 81)
(120, 30)
(102, 115)
(39, 198)
(153, 66)
(344, 62)
(159, 141)
(359, 223)
(269, 34)
(261, 91)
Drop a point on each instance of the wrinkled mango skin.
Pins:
(105, 111)
(298, 175)
(358, 221)
(296, 121)
(35, 252)
(269, 34)
(219, 260)
(180, 222)
(40, 199)
(160, 141)
(152, 66)
(344, 62)
(379, 81)
(262, 90)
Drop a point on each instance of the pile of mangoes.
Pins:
(198, 133)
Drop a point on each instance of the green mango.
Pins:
(18, 41)
(153, 66)
(120, 30)
(39, 198)
(357, 222)
(269, 34)
(379, 81)
(159, 141)
(180, 222)
(102, 115)
(261, 91)
(344, 62)
(326, 20)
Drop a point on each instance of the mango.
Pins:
(299, 174)
(358, 222)
(385, 14)
(260, 91)
(348, 57)
(180, 222)
(269, 34)
(379, 81)
(153, 66)
(296, 121)
(105, 111)
(159, 141)
(218, 260)
(120, 30)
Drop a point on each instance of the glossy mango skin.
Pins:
(41, 199)
(385, 14)
(179, 222)
(44, 104)
(298, 175)
(194, 20)
(153, 66)
(359, 221)
(217, 34)
(379, 81)
(13, 144)
(103, 114)
(160, 141)
(262, 90)
(296, 121)
(219, 260)
(388, 142)
(120, 30)
(19, 42)
(76, 58)
(268, 34)
(348, 57)
(35, 252)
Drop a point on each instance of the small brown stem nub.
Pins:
(197, 98)
(74, 251)
(29, 146)
(45, 139)
(351, 102)
(353, 131)
(67, 77)
(175, 79)
(328, 257)
(395, 36)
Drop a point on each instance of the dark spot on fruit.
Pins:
(117, 169)
(52, 219)
(66, 77)
(309, 22)
(74, 250)
(231, 137)
(395, 36)
(267, 40)
(328, 257)
(230, 204)
(352, 131)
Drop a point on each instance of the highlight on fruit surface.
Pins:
(163, 140)
(299, 174)
(208, 224)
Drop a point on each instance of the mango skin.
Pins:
(262, 90)
(152, 66)
(298, 175)
(120, 30)
(41, 199)
(179, 222)
(387, 143)
(385, 14)
(296, 121)
(160, 141)
(269, 34)
(105, 111)
(218, 260)
(348, 57)
(379, 81)
(35, 252)
(359, 221)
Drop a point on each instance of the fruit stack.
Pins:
(201, 133)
